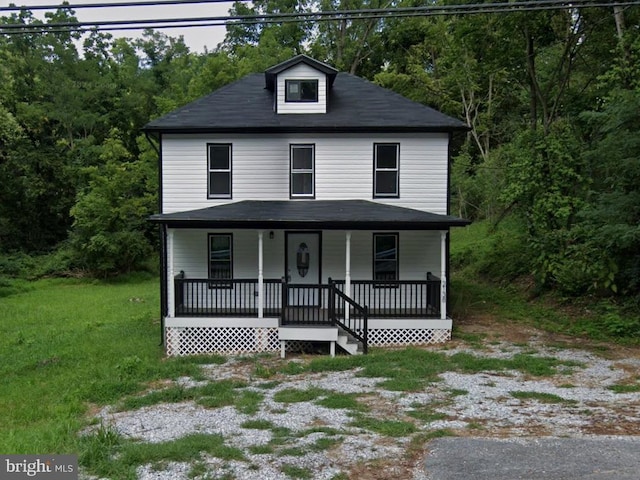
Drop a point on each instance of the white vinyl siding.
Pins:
(301, 72)
(191, 249)
(343, 168)
(419, 254)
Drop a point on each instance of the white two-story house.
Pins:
(303, 205)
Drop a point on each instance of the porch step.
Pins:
(348, 343)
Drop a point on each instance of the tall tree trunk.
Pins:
(531, 70)
(618, 14)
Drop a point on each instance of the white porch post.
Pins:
(443, 275)
(171, 301)
(260, 275)
(347, 272)
(347, 266)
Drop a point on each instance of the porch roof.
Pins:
(313, 214)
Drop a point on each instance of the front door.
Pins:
(303, 268)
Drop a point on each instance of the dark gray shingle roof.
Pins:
(325, 214)
(354, 105)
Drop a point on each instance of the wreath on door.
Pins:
(302, 259)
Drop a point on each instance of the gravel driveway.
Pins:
(325, 442)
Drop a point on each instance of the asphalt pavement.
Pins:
(459, 458)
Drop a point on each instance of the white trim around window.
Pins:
(302, 170)
(386, 170)
(219, 170)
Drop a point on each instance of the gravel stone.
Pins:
(483, 406)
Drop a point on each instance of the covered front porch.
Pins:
(308, 284)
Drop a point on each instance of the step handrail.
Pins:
(359, 315)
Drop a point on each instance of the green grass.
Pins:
(387, 428)
(297, 472)
(66, 344)
(541, 397)
(266, 449)
(425, 413)
(348, 401)
(293, 395)
(411, 369)
(258, 424)
(323, 443)
(624, 388)
(107, 455)
(212, 395)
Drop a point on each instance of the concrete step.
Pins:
(349, 344)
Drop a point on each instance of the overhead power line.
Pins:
(359, 14)
(142, 3)
(153, 3)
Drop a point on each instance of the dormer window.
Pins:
(301, 91)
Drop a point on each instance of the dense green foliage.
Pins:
(552, 99)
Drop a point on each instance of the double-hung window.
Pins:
(386, 168)
(385, 256)
(220, 256)
(302, 161)
(301, 90)
(219, 160)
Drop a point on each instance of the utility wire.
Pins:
(80, 6)
(398, 12)
(143, 3)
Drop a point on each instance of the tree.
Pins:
(110, 232)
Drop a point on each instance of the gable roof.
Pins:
(325, 214)
(353, 105)
(271, 73)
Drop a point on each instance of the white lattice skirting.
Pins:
(222, 340)
(388, 337)
(237, 340)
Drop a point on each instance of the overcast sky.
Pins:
(196, 38)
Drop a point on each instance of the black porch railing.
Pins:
(397, 298)
(304, 304)
(196, 297)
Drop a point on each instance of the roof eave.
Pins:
(309, 129)
(307, 224)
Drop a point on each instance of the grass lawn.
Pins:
(66, 345)
(69, 346)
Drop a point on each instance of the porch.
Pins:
(259, 274)
(304, 312)
(303, 304)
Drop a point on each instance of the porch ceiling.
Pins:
(313, 214)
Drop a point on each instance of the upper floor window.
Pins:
(385, 256)
(301, 90)
(219, 159)
(220, 256)
(386, 163)
(302, 170)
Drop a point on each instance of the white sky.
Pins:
(196, 38)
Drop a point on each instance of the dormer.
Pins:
(300, 85)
